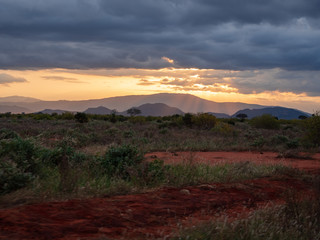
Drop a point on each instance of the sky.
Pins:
(253, 51)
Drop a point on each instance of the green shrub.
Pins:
(258, 142)
(53, 157)
(21, 152)
(279, 139)
(117, 160)
(149, 173)
(66, 116)
(18, 164)
(12, 177)
(312, 125)
(224, 129)
(265, 121)
(293, 143)
(7, 134)
(81, 117)
(204, 120)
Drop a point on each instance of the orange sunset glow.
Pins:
(66, 84)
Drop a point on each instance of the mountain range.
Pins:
(279, 112)
(185, 102)
(150, 105)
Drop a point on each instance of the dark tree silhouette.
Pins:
(302, 117)
(81, 117)
(242, 116)
(133, 111)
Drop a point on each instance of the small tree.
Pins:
(302, 117)
(113, 118)
(81, 117)
(242, 116)
(187, 119)
(133, 111)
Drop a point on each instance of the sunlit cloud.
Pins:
(64, 79)
(144, 82)
(168, 60)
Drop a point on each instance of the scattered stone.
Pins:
(185, 191)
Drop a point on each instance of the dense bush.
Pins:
(187, 119)
(53, 157)
(149, 173)
(312, 125)
(7, 134)
(21, 152)
(204, 120)
(117, 160)
(12, 177)
(81, 117)
(18, 163)
(265, 121)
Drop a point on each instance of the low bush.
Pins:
(81, 117)
(149, 174)
(117, 160)
(224, 129)
(23, 153)
(13, 177)
(265, 121)
(312, 126)
(204, 120)
(7, 134)
(18, 163)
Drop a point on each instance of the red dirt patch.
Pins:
(312, 164)
(138, 216)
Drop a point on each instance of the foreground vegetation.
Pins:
(295, 220)
(47, 157)
(63, 172)
(60, 154)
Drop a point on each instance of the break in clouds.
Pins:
(277, 37)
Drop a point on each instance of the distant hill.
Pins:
(279, 112)
(50, 111)
(98, 110)
(185, 102)
(18, 99)
(220, 115)
(156, 109)
(13, 109)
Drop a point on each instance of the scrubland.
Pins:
(47, 158)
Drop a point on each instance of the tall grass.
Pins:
(295, 220)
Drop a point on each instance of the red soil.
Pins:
(308, 163)
(147, 215)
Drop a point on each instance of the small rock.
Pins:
(185, 191)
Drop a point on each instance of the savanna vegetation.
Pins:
(79, 155)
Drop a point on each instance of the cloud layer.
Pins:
(214, 34)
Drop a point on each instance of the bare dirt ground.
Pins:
(156, 213)
(306, 162)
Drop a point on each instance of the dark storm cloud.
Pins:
(122, 33)
(6, 79)
(213, 34)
